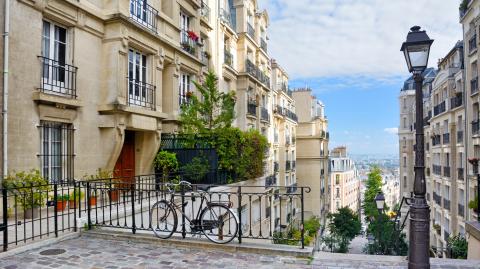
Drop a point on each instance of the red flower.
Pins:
(192, 35)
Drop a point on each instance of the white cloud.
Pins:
(393, 130)
(351, 37)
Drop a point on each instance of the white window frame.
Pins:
(184, 86)
(137, 76)
(51, 40)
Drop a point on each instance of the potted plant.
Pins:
(74, 198)
(30, 190)
(62, 201)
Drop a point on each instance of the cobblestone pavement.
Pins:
(91, 252)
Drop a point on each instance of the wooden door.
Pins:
(125, 166)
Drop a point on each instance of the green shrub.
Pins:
(197, 169)
(459, 246)
(30, 188)
(166, 162)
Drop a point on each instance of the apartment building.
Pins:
(312, 152)
(344, 181)
(391, 190)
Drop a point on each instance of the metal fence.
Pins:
(32, 213)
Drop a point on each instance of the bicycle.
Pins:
(216, 220)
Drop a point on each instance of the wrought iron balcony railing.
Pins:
(252, 109)
(474, 85)
(143, 14)
(254, 71)
(456, 101)
(205, 11)
(250, 31)
(58, 78)
(228, 58)
(446, 138)
(279, 110)
(440, 108)
(263, 44)
(189, 42)
(460, 173)
(291, 115)
(226, 17)
(140, 94)
(475, 127)
(264, 115)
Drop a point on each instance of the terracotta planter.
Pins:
(32, 213)
(114, 195)
(61, 205)
(72, 204)
(92, 201)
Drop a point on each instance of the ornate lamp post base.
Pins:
(419, 234)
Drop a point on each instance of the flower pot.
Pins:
(93, 200)
(72, 204)
(61, 205)
(32, 213)
(114, 195)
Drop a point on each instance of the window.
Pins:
(337, 193)
(56, 153)
(57, 76)
(184, 89)
(184, 26)
(143, 13)
(337, 179)
(140, 93)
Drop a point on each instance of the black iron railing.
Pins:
(226, 17)
(446, 171)
(141, 94)
(250, 31)
(205, 11)
(446, 138)
(446, 203)
(291, 115)
(263, 44)
(437, 169)
(475, 127)
(58, 78)
(460, 174)
(440, 108)
(474, 85)
(143, 14)
(46, 210)
(279, 110)
(437, 198)
(228, 58)
(288, 165)
(472, 43)
(252, 109)
(436, 140)
(254, 71)
(264, 114)
(461, 210)
(456, 101)
(189, 42)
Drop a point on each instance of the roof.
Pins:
(429, 75)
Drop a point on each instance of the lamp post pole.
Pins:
(418, 254)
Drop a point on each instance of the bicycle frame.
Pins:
(179, 208)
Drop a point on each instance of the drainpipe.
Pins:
(5, 88)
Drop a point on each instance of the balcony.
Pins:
(250, 31)
(291, 115)
(263, 44)
(204, 58)
(276, 167)
(228, 58)
(270, 181)
(255, 72)
(436, 140)
(437, 198)
(446, 171)
(252, 109)
(474, 86)
(475, 127)
(440, 108)
(279, 110)
(472, 43)
(264, 115)
(460, 174)
(288, 165)
(460, 137)
(456, 101)
(205, 12)
(144, 14)
(446, 204)
(189, 41)
(140, 94)
(58, 78)
(292, 188)
(226, 17)
(446, 138)
(461, 210)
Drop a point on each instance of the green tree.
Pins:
(213, 110)
(373, 187)
(459, 246)
(197, 169)
(388, 241)
(344, 226)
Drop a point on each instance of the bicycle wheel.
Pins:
(163, 219)
(219, 224)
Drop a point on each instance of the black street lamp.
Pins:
(380, 202)
(416, 50)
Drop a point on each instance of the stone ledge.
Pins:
(257, 248)
(473, 228)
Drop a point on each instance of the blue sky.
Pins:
(347, 51)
